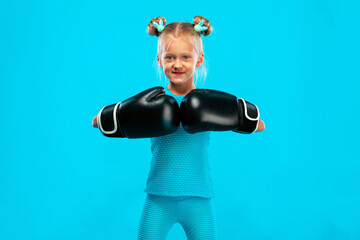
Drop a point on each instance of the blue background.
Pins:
(62, 61)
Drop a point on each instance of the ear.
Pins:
(200, 59)
(159, 61)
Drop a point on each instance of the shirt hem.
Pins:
(180, 194)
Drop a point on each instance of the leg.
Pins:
(198, 218)
(157, 218)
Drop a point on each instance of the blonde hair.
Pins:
(184, 30)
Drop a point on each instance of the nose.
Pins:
(178, 63)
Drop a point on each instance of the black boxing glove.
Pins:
(211, 110)
(150, 113)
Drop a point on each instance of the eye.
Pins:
(186, 57)
(168, 57)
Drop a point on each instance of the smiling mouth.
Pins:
(178, 73)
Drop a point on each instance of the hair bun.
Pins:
(152, 30)
(198, 19)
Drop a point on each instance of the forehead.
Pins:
(178, 46)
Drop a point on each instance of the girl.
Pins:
(179, 187)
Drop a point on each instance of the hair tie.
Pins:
(198, 27)
(160, 27)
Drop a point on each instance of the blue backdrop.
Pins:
(62, 61)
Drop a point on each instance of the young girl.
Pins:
(179, 187)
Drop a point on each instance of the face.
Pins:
(179, 61)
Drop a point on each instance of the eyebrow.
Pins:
(186, 53)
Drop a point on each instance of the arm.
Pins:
(94, 123)
(261, 126)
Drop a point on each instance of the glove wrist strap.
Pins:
(249, 116)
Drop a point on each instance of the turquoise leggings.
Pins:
(195, 214)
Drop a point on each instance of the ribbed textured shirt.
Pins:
(180, 163)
